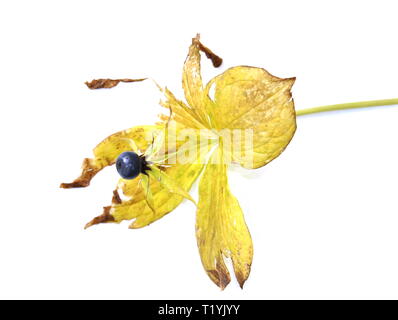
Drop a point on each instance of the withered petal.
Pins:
(221, 230)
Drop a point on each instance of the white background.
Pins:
(323, 216)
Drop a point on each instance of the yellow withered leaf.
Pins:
(147, 192)
(170, 184)
(144, 208)
(193, 87)
(107, 151)
(181, 112)
(135, 206)
(259, 108)
(164, 199)
(221, 230)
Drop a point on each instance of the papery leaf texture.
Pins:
(244, 116)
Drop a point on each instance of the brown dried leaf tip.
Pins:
(88, 172)
(215, 59)
(105, 217)
(108, 83)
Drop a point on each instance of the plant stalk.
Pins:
(351, 105)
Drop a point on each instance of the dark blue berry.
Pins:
(128, 164)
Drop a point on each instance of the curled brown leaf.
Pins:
(88, 172)
(108, 83)
(215, 59)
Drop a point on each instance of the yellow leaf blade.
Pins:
(169, 183)
(253, 102)
(136, 208)
(107, 151)
(134, 204)
(148, 193)
(221, 230)
(180, 112)
(192, 82)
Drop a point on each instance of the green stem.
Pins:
(344, 106)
